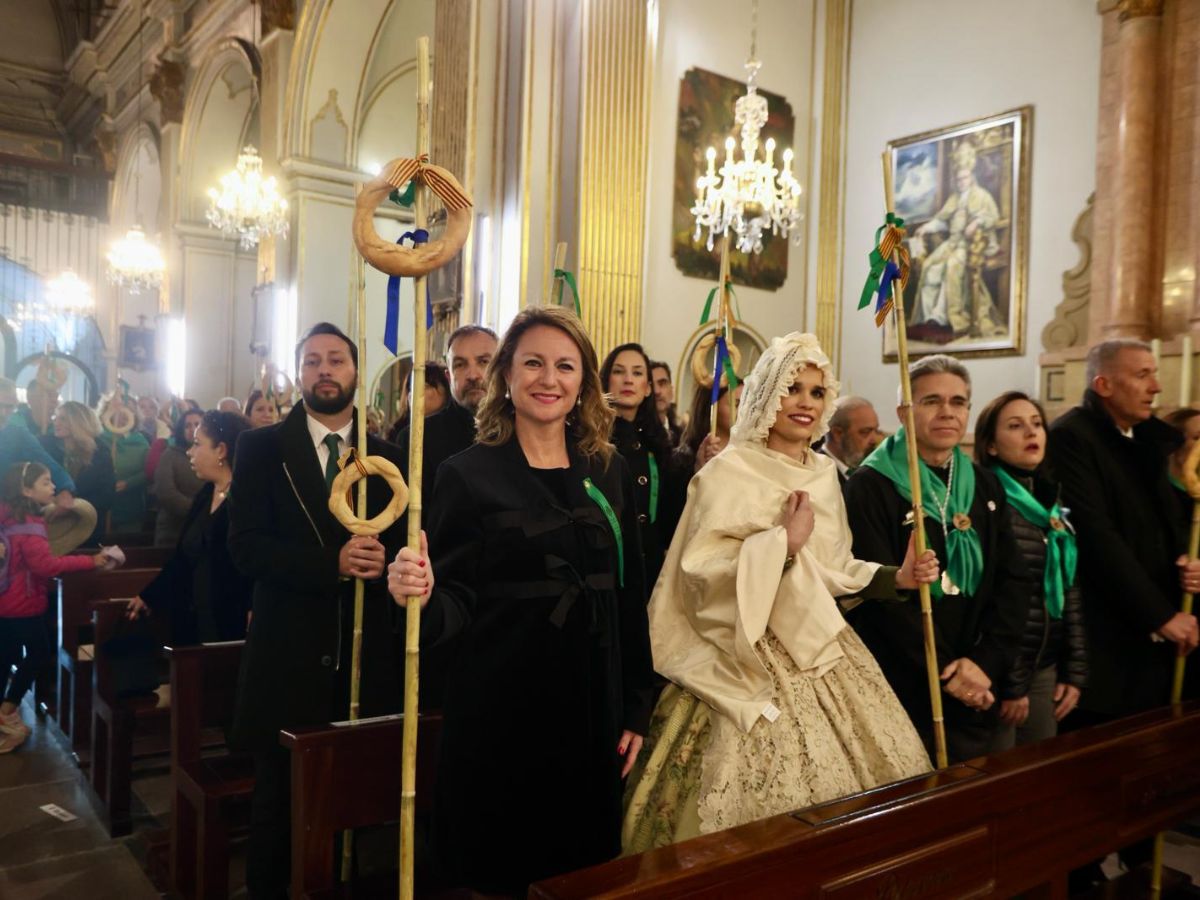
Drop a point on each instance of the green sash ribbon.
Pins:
(1062, 555)
(653, 486)
(597, 497)
(965, 563)
(569, 279)
(1177, 484)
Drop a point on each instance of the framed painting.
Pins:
(963, 192)
(137, 348)
(706, 102)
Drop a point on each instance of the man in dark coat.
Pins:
(1110, 454)
(296, 665)
(977, 621)
(853, 434)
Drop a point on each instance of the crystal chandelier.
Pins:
(135, 263)
(70, 295)
(748, 195)
(247, 206)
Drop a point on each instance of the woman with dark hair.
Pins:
(201, 590)
(1044, 682)
(261, 410)
(533, 534)
(696, 445)
(437, 394)
(175, 484)
(640, 438)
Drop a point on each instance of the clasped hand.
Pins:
(362, 557)
(968, 684)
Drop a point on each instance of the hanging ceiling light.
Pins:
(68, 294)
(133, 262)
(748, 195)
(247, 206)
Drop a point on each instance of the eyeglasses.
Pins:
(932, 403)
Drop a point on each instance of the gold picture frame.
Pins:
(963, 192)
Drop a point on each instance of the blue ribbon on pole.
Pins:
(718, 364)
(391, 328)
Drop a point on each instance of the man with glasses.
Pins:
(18, 445)
(979, 605)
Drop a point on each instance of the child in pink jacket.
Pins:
(25, 490)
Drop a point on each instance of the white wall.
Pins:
(713, 35)
(955, 62)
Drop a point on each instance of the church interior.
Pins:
(182, 189)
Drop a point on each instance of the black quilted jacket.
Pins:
(1045, 641)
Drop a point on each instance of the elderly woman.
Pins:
(261, 410)
(776, 704)
(201, 590)
(72, 444)
(535, 550)
(175, 484)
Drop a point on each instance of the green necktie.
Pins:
(331, 465)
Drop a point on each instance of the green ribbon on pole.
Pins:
(730, 374)
(569, 279)
(707, 314)
(406, 199)
(879, 260)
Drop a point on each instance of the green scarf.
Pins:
(1061, 552)
(965, 565)
(1177, 484)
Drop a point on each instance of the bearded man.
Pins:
(296, 663)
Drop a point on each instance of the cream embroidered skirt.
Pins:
(838, 734)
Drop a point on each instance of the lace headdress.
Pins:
(773, 375)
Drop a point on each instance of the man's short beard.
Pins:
(328, 406)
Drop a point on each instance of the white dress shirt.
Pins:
(318, 432)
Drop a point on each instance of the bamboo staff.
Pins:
(720, 329)
(1192, 480)
(914, 481)
(560, 264)
(360, 393)
(416, 445)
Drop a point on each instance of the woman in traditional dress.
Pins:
(533, 540)
(641, 439)
(775, 703)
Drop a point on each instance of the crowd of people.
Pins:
(639, 626)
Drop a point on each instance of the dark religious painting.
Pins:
(706, 102)
(137, 348)
(963, 192)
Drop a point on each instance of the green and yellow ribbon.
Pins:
(889, 239)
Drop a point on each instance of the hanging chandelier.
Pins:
(748, 195)
(135, 263)
(70, 295)
(247, 205)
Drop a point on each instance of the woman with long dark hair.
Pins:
(175, 484)
(533, 540)
(640, 438)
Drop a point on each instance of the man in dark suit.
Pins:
(296, 665)
(853, 434)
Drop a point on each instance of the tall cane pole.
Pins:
(722, 306)
(359, 585)
(560, 263)
(914, 480)
(416, 445)
(1192, 479)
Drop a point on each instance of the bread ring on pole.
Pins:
(702, 371)
(275, 383)
(118, 419)
(394, 259)
(351, 472)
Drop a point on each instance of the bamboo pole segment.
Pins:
(361, 511)
(1192, 479)
(560, 263)
(719, 329)
(416, 445)
(914, 481)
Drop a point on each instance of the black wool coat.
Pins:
(296, 666)
(672, 495)
(448, 431)
(555, 663)
(1126, 519)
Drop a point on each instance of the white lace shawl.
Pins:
(770, 381)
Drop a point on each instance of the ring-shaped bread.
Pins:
(350, 474)
(276, 381)
(702, 371)
(394, 259)
(112, 413)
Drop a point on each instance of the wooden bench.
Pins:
(1013, 823)
(75, 593)
(205, 787)
(347, 775)
(117, 719)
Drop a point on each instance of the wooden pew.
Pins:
(204, 786)
(117, 720)
(75, 594)
(347, 775)
(1002, 825)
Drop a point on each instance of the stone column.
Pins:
(1132, 279)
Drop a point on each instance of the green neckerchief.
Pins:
(965, 563)
(1061, 553)
(653, 486)
(597, 497)
(1176, 483)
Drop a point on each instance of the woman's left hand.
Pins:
(914, 571)
(1066, 696)
(629, 747)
